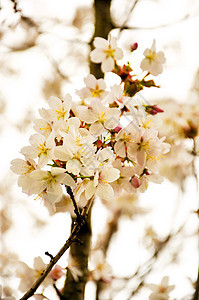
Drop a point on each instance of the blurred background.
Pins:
(44, 51)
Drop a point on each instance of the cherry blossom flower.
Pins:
(153, 61)
(23, 169)
(56, 273)
(161, 291)
(123, 141)
(95, 88)
(101, 183)
(77, 150)
(29, 275)
(40, 147)
(106, 53)
(50, 182)
(60, 108)
(146, 148)
(99, 117)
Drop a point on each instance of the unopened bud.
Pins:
(56, 272)
(153, 109)
(134, 46)
(117, 128)
(135, 182)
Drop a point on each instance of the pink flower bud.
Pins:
(153, 109)
(57, 272)
(135, 182)
(117, 128)
(134, 46)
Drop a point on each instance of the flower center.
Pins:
(109, 52)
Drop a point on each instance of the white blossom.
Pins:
(50, 182)
(106, 53)
(95, 88)
(153, 61)
(100, 117)
(161, 291)
(40, 147)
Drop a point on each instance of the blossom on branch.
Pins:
(153, 61)
(106, 52)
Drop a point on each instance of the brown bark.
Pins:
(75, 290)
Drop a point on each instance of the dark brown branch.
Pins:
(76, 210)
(103, 26)
(73, 237)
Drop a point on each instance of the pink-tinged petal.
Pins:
(97, 55)
(100, 43)
(105, 191)
(108, 64)
(90, 189)
(56, 272)
(90, 81)
(96, 128)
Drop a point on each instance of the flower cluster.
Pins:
(103, 145)
(180, 125)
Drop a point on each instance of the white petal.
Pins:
(67, 180)
(61, 153)
(105, 191)
(100, 43)
(90, 81)
(96, 128)
(73, 166)
(108, 64)
(90, 189)
(118, 53)
(110, 174)
(97, 55)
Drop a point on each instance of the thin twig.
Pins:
(154, 27)
(76, 210)
(128, 16)
(72, 238)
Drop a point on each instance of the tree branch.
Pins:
(72, 238)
